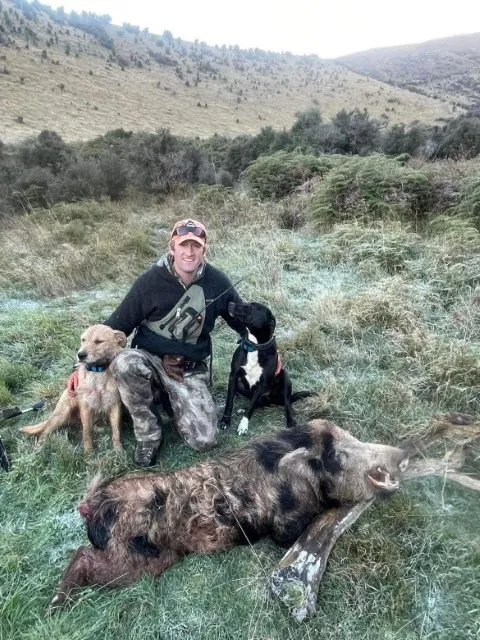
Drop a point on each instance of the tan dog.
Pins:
(97, 391)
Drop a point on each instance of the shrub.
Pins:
(398, 140)
(196, 168)
(277, 175)
(224, 178)
(469, 204)
(82, 179)
(461, 138)
(156, 161)
(30, 189)
(372, 187)
(305, 129)
(358, 132)
(47, 150)
(114, 175)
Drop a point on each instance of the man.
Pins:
(172, 307)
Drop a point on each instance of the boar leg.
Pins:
(95, 566)
(91, 566)
(297, 577)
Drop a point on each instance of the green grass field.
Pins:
(381, 320)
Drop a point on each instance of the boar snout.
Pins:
(385, 477)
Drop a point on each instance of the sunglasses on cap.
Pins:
(184, 230)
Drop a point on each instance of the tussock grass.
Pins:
(390, 246)
(50, 253)
(388, 304)
(452, 263)
(382, 347)
(453, 373)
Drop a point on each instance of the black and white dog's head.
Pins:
(258, 319)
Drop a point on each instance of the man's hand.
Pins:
(72, 384)
(174, 366)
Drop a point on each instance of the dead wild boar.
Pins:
(273, 487)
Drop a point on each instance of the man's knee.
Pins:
(200, 432)
(202, 442)
(129, 362)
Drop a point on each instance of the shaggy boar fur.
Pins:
(274, 487)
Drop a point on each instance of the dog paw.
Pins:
(224, 423)
(243, 426)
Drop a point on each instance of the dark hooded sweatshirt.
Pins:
(156, 292)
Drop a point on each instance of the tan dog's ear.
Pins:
(120, 337)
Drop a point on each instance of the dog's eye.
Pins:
(99, 341)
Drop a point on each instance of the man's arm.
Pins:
(232, 296)
(134, 307)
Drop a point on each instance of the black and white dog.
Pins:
(257, 371)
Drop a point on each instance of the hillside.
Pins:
(82, 84)
(447, 68)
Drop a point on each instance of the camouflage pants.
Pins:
(141, 378)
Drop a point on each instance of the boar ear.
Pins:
(121, 338)
(298, 463)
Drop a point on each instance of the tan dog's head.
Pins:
(100, 345)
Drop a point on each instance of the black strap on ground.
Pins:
(4, 461)
(6, 414)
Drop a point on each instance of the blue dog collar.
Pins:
(246, 345)
(249, 346)
(95, 368)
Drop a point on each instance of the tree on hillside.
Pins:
(47, 150)
(398, 139)
(359, 133)
(245, 149)
(306, 131)
(461, 138)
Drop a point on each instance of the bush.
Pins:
(114, 175)
(47, 150)
(397, 140)
(461, 138)
(224, 178)
(469, 204)
(83, 179)
(156, 162)
(306, 129)
(196, 167)
(277, 175)
(372, 187)
(30, 189)
(358, 132)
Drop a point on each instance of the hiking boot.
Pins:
(146, 452)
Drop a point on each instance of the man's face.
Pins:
(187, 257)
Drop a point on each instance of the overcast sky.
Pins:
(329, 29)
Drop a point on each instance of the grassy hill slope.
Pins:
(448, 68)
(59, 77)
